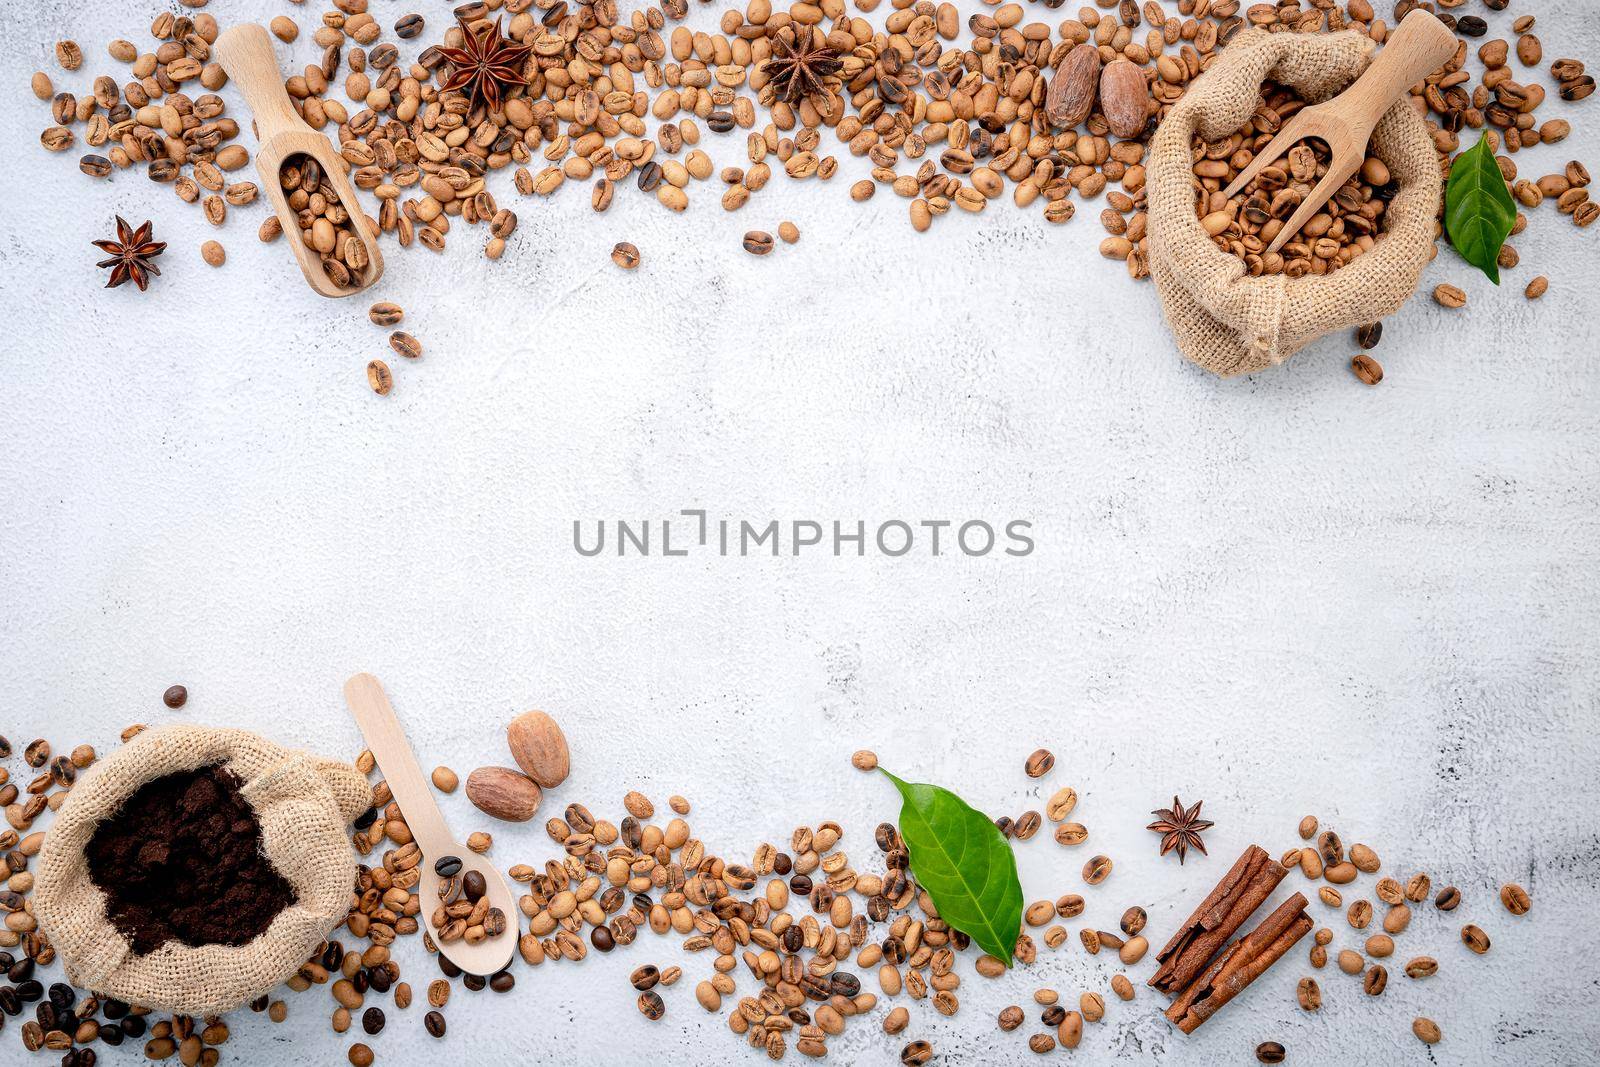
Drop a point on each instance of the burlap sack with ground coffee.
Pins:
(1223, 319)
(303, 804)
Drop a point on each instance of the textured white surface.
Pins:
(1287, 594)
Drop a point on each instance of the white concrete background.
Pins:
(1285, 594)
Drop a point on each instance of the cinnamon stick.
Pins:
(1242, 890)
(1242, 963)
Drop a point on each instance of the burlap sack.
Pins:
(1223, 319)
(303, 804)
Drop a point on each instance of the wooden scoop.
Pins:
(245, 52)
(1420, 46)
(411, 791)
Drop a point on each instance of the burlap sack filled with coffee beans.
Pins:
(303, 805)
(1225, 320)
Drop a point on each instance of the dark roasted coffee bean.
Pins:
(372, 1020)
(1471, 26)
(601, 938)
(887, 836)
(1270, 1052)
(30, 990)
(649, 177)
(366, 819)
(133, 1026)
(794, 938)
(502, 981)
(5, 748)
(1053, 1015)
(447, 866)
(844, 984)
(10, 1003)
(1369, 335)
(1448, 899)
(782, 864)
(408, 26)
(95, 166)
(378, 980)
(473, 885)
(800, 885)
(433, 1022)
(448, 969)
(45, 1012)
(110, 1035)
(651, 1006)
(332, 958)
(37, 753)
(63, 996)
(916, 1053)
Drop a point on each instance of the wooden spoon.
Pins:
(412, 792)
(245, 52)
(1419, 47)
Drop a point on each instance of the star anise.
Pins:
(799, 64)
(131, 254)
(488, 66)
(1180, 828)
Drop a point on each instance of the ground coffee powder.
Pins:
(182, 861)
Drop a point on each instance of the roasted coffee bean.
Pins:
(473, 885)
(1309, 994)
(1427, 1030)
(1039, 763)
(1027, 825)
(37, 753)
(408, 26)
(1367, 337)
(447, 866)
(176, 696)
(1367, 369)
(1270, 1052)
(1448, 899)
(601, 938)
(502, 981)
(758, 242)
(1375, 980)
(372, 1020)
(1133, 921)
(385, 313)
(916, 1053)
(651, 1006)
(1475, 939)
(433, 1022)
(645, 977)
(1471, 26)
(1515, 899)
(1053, 1015)
(844, 984)
(475, 982)
(1097, 870)
(1011, 1018)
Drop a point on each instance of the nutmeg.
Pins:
(540, 748)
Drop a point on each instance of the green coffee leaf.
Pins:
(1478, 210)
(965, 863)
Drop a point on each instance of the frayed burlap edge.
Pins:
(1223, 319)
(304, 804)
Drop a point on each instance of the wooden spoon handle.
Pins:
(387, 740)
(245, 52)
(1421, 45)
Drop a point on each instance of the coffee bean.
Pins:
(1097, 870)
(502, 981)
(176, 696)
(1011, 1018)
(1133, 921)
(1309, 994)
(602, 939)
(37, 753)
(1375, 980)
(1270, 1052)
(1475, 939)
(1053, 1015)
(372, 1020)
(447, 866)
(1041, 1043)
(385, 313)
(651, 1006)
(380, 377)
(473, 885)
(433, 1022)
(917, 1053)
(1427, 1030)
(758, 242)
(408, 26)
(1367, 369)
(1038, 765)
(1422, 967)
(1367, 337)
(1471, 26)
(1515, 899)
(1448, 899)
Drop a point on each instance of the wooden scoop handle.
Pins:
(1421, 45)
(245, 52)
(387, 740)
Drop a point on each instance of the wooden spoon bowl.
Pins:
(387, 741)
(245, 52)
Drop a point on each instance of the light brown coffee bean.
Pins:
(213, 253)
(1474, 938)
(1039, 763)
(1515, 899)
(1097, 870)
(1375, 981)
(1309, 994)
(625, 255)
(380, 377)
(1422, 967)
(1427, 1030)
(1449, 296)
(758, 242)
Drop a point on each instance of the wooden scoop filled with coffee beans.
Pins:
(466, 903)
(304, 177)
